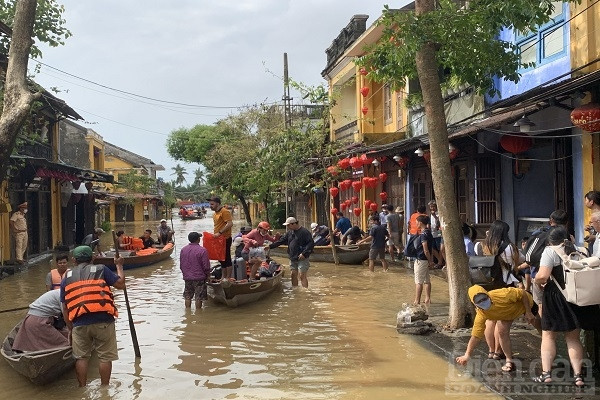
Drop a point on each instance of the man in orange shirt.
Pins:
(413, 229)
(223, 222)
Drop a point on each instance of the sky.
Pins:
(219, 53)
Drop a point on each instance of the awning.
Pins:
(49, 169)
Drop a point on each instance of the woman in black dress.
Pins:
(559, 315)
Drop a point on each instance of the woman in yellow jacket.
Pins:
(501, 305)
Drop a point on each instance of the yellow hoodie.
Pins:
(507, 305)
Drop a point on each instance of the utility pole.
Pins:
(287, 114)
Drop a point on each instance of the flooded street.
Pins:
(336, 340)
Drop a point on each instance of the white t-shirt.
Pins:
(549, 258)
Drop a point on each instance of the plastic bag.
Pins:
(214, 245)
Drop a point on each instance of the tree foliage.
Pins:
(180, 173)
(49, 26)
(466, 39)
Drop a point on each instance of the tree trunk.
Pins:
(244, 203)
(17, 96)
(456, 259)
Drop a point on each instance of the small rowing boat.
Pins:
(137, 259)
(236, 293)
(192, 216)
(353, 254)
(40, 367)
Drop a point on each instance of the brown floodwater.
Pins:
(336, 340)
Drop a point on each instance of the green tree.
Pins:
(440, 35)
(179, 173)
(28, 19)
(199, 178)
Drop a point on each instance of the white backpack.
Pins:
(581, 275)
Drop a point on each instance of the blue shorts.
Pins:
(301, 265)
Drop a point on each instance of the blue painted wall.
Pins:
(543, 72)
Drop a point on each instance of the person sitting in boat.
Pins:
(43, 328)
(93, 240)
(182, 211)
(147, 239)
(203, 210)
(164, 232)
(254, 251)
(320, 234)
(57, 274)
(237, 245)
(353, 235)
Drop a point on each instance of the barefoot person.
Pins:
(424, 261)
(89, 311)
(223, 222)
(195, 266)
(300, 245)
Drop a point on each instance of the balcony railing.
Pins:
(37, 150)
(347, 131)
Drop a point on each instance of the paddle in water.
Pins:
(136, 346)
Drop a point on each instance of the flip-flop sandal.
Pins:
(509, 367)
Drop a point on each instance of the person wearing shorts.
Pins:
(195, 266)
(300, 246)
(424, 260)
(89, 311)
(378, 235)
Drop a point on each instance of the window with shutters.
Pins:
(486, 180)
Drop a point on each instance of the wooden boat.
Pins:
(236, 293)
(40, 367)
(352, 254)
(132, 260)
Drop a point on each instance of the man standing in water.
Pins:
(89, 311)
(195, 266)
(223, 222)
(300, 245)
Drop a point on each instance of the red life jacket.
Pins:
(86, 291)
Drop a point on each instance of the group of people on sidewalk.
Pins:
(532, 282)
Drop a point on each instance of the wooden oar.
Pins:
(136, 346)
(15, 309)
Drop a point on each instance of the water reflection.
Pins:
(334, 341)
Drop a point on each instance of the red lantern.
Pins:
(348, 202)
(364, 110)
(343, 206)
(334, 210)
(383, 196)
(355, 199)
(362, 71)
(357, 211)
(333, 170)
(516, 143)
(453, 154)
(355, 163)
(427, 157)
(372, 183)
(586, 117)
(365, 159)
(343, 163)
(383, 177)
(373, 207)
(364, 91)
(357, 185)
(368, 203)
(334, 191)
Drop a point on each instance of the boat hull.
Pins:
(134, 261)
(40, 367)
(235, 294)
(351, 254)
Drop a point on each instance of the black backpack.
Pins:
(411, 248)
(535, 247)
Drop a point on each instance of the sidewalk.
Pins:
(526, 349)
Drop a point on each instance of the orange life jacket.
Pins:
(131, 243)
(86, 291)
(56, 278)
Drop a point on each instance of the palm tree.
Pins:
(179, 173)
(199, 178)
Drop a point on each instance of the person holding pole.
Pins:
(89, 310)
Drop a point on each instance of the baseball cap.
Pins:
(314, 226)
(82, 251)
(290, 220)
(163, 220)
(482, 301)
(215, 199)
